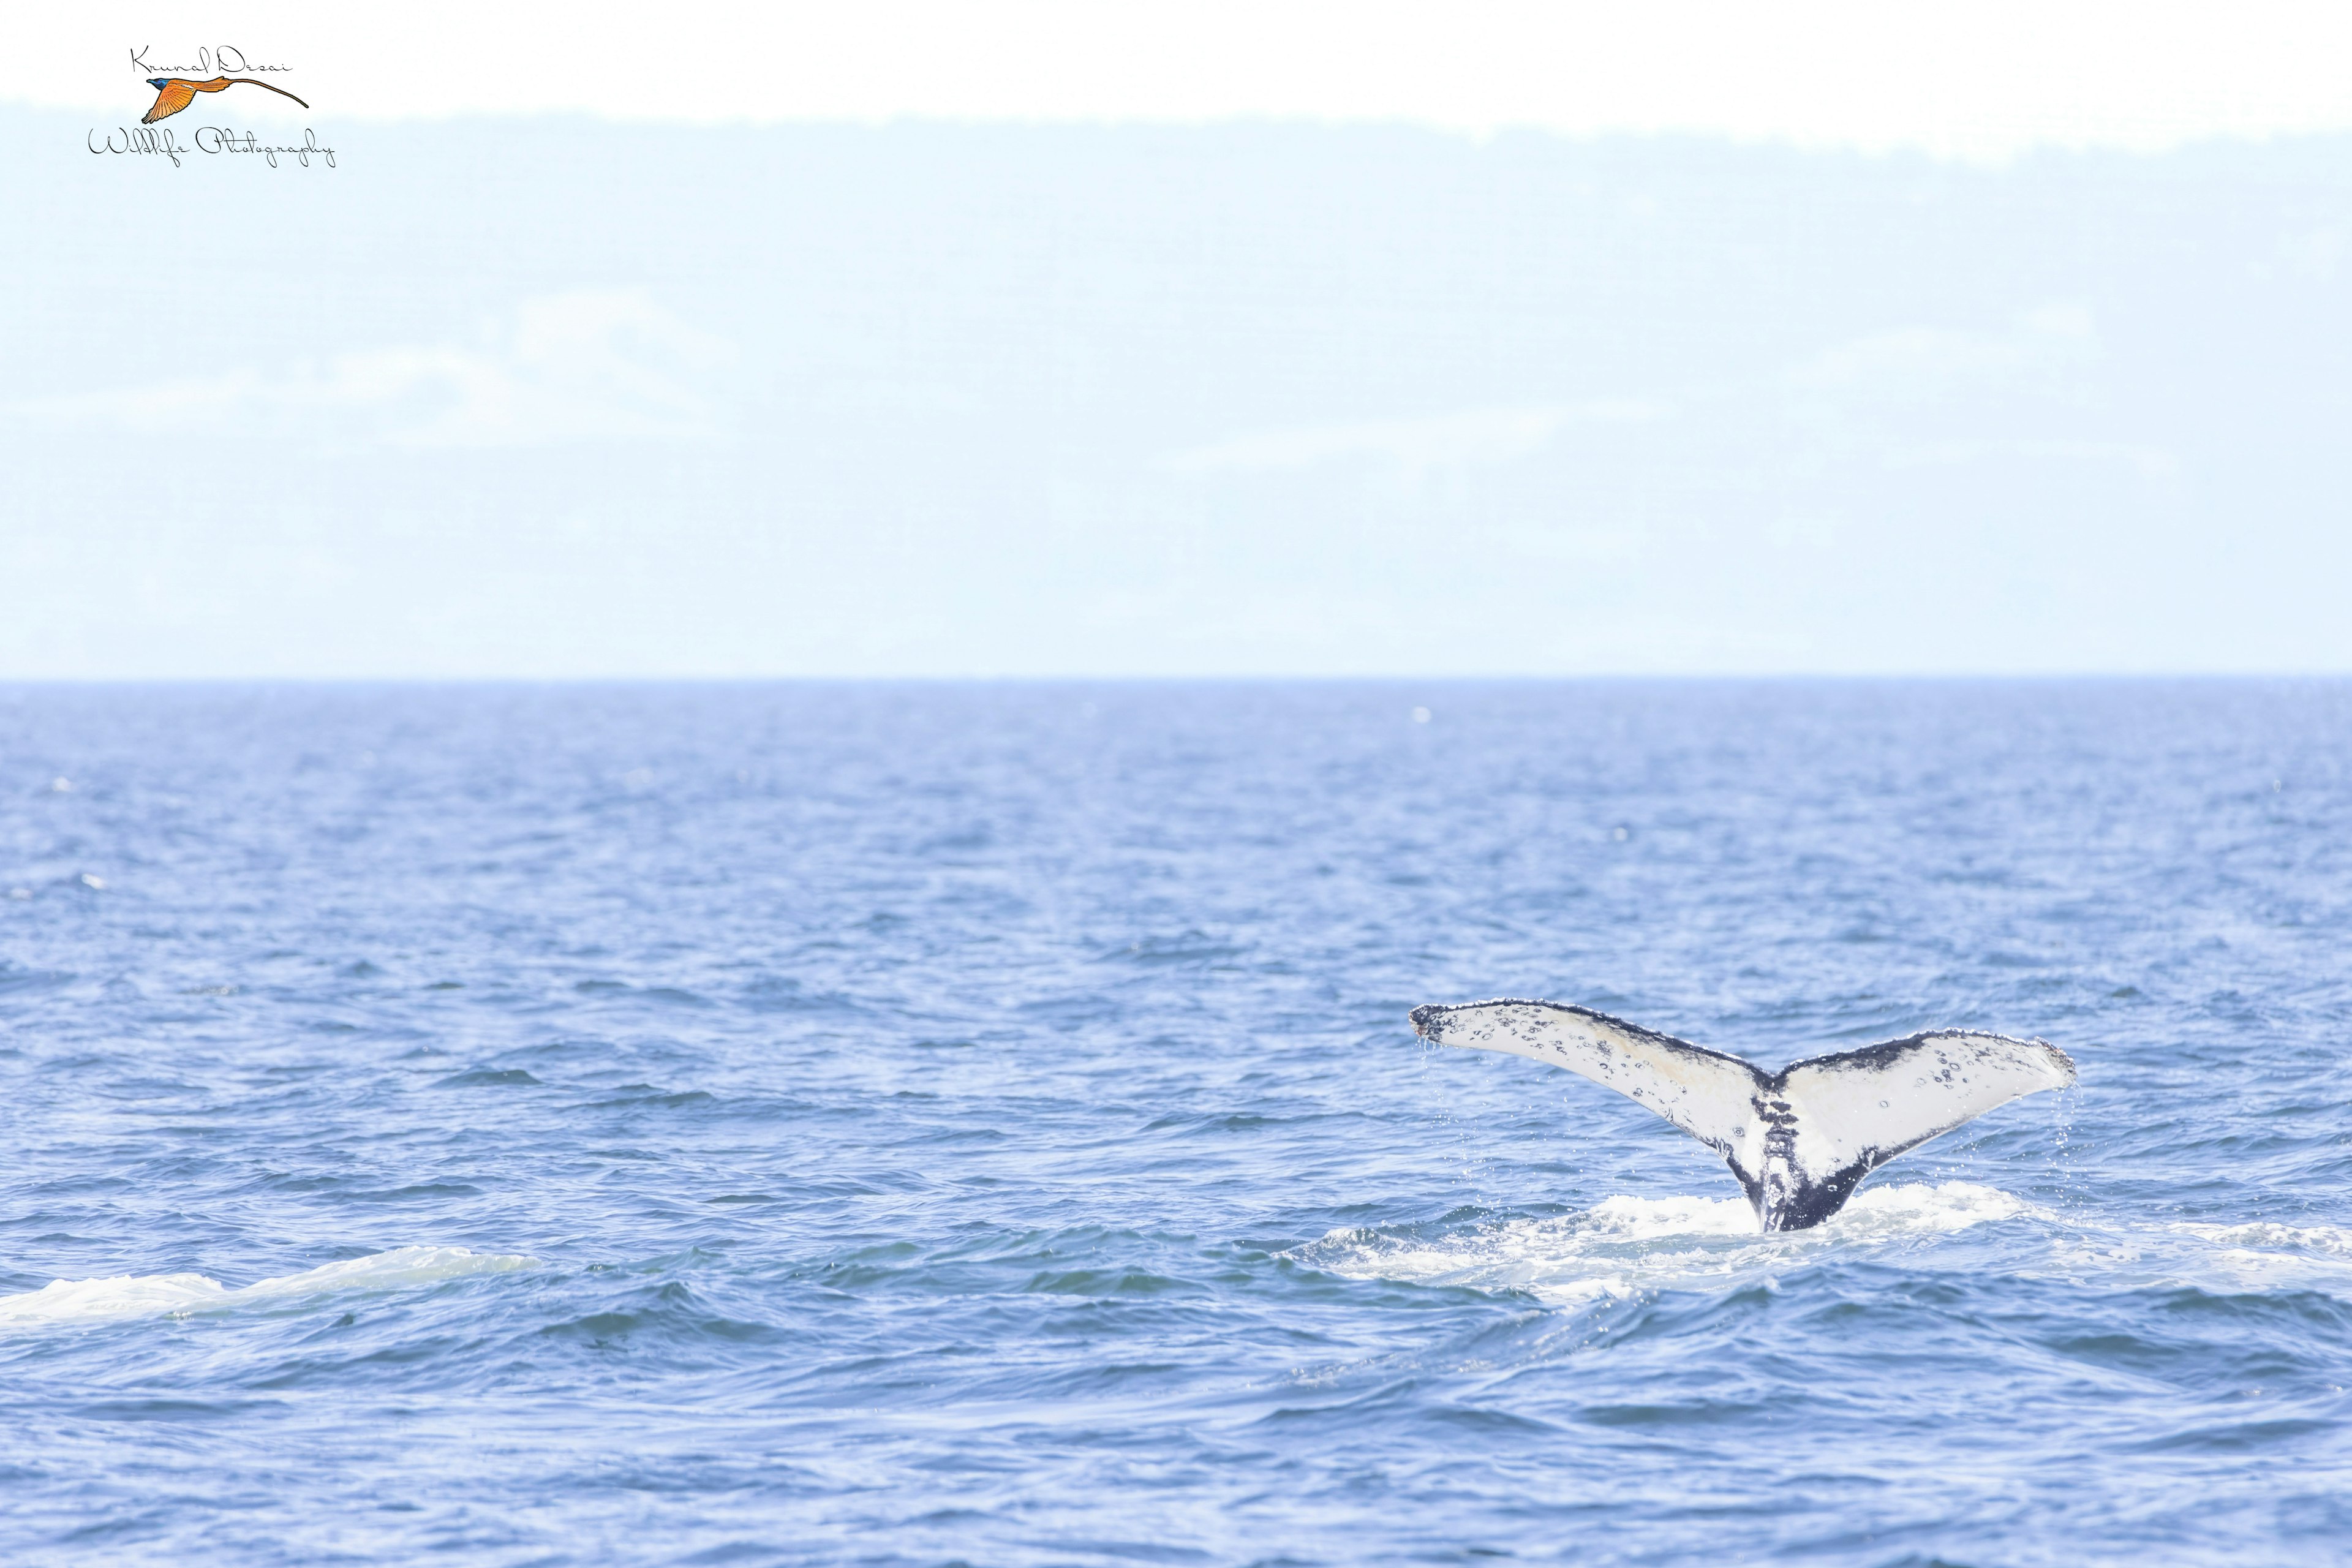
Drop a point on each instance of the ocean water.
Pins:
(977, 1124)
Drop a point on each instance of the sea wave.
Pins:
(178, 1295)
(1632, 1246)
(2260, 1258)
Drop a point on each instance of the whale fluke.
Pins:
(1800, 1140)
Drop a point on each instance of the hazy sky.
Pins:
(1045, 339)
(1983, 79)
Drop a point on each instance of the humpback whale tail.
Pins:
(1800, 1140)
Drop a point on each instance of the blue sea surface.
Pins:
(977, 1123)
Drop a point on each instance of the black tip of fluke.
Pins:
(1425, 1021)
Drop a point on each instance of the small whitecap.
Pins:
(61, 785)
(1421, 715)
(175, 1295)
(93, 882)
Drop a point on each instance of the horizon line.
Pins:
(1990, 155)
(1622, 676)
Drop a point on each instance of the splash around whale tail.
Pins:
(1800, 1140)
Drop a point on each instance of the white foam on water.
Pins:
(1628, 1246)
(177, 1294)
(2318, 1240)
(2252, 1258)
(1921, 1209)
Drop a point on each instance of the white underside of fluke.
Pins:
(1800, 1140)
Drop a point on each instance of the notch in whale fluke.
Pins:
(1800, 1140)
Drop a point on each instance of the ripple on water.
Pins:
(921, 1144)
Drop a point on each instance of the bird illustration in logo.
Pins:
(173, 93)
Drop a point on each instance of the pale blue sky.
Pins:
(1983, 81)
(550, 394)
